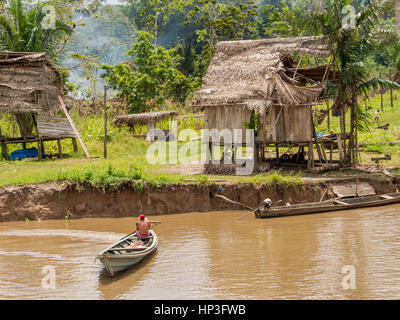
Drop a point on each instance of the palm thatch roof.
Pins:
(259, 73)
(143, 118)
(29, 82)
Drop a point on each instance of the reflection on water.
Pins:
(210, 256)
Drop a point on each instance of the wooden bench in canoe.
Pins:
(329, 205)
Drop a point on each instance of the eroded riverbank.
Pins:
(56, 201)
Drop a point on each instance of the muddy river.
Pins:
(340, 255)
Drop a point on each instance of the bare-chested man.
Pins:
(143, 227)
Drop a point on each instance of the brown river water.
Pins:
(210, 256)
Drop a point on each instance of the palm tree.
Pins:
(21, 30)
(350, 45)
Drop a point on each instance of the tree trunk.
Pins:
(351, 149)
(25, 123)
(343, 129)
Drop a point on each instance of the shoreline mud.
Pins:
(58, 201)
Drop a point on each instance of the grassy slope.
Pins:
(127, 155)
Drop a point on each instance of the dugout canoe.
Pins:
(119, 256)
(329, 205)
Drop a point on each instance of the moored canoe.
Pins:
(329, 205)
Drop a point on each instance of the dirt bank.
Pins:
(55, 201)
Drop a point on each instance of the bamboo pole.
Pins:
(64, 109)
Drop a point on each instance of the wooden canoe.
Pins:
(120, 255)
(329, 205)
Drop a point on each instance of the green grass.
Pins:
(127, 166)
(373, 137)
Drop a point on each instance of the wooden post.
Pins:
(75, 146)
(40, 148)
(277, 154)
(391, 90)
(59, 148)
(357, 186)
(105, 122)
(263, 153)
(310, 156)
(340, 147)
(316, 141)
(3, 146)
(73, 127)
(380, 76)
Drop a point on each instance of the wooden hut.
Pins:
(29, 89)
(259, 77)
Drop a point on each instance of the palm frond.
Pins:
(376, 83)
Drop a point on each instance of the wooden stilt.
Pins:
(40, 148)
(3, 146)
(75, 145)
(316, 141)
(323, 152)
(277, 154)
(59, 148)
(263, 153)
(310, 156)
(340, 147)
(234, 155)
(211, 151)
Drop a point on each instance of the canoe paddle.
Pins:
(247, 207)
(231, 201)
(263, 206)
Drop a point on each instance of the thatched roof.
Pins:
(143, 118)
(29, 82)
(257, 73)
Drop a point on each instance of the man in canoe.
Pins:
(143, 227)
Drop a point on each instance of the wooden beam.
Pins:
(73, 126)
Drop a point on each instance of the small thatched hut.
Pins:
(260, 77)
(147, 118)
(30, 85)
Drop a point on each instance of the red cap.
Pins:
(141, 217)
